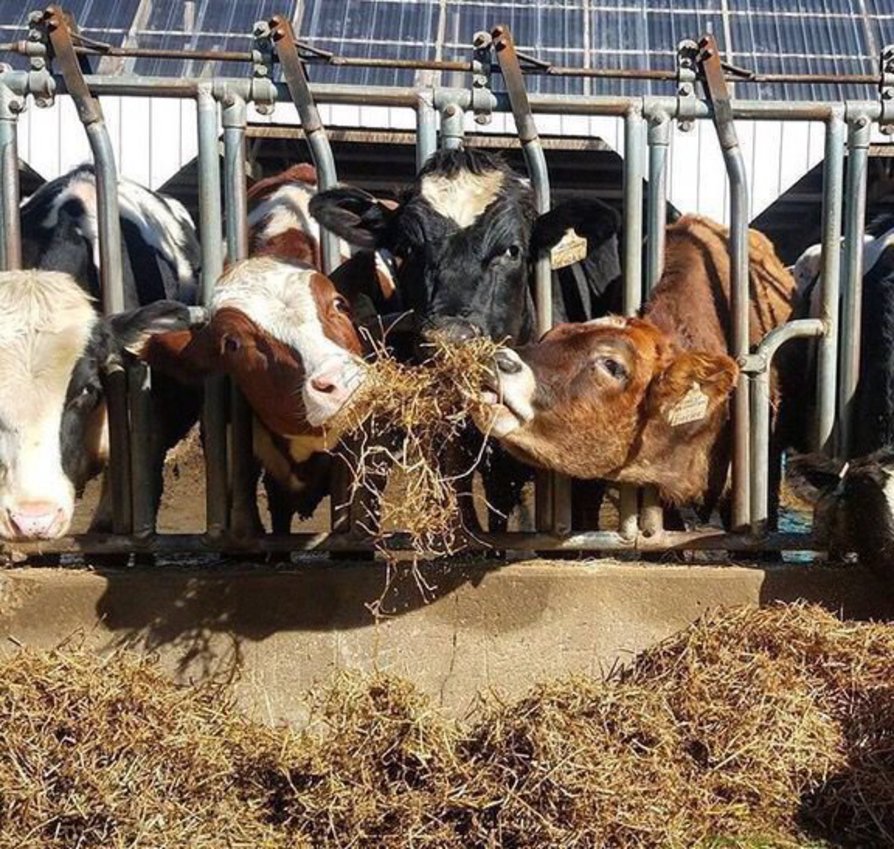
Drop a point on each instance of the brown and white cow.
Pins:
(286, 337)
(642, 400)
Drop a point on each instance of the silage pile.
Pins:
(767, 724)
(406, 422)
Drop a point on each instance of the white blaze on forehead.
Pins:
(277, 296)
(607, 321)
(463, 196)
(45, 324)
(288, 208)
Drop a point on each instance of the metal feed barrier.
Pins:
(57, 55)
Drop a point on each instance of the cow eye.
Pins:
(342, 306)
(613, 367)
(512, 251)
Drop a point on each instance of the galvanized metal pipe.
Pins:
(659, 132)
(634, 164)
(762, 361)
(827, 355)
(859, 132)
(426, 128)
(11, 241)
(214, 411)
(143, 483)
(452, 130)
(242, 477)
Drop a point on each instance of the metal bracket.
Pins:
(263, 95)
(687, 102)
(886, 89)
(39, 54)
(283, 37)
(57, 27)
(515, 83)
(482, 67)
(711, 67)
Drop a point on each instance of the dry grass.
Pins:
(406, 421)
(751, 728)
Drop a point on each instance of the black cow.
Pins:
(55, 349)
(466, 235)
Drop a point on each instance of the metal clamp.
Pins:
(687, 102)
(263, 94)
(886, 89)
(482, 66)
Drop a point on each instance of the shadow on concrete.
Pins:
(193, 610)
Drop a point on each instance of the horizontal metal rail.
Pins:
(316, 56)
(705, 540)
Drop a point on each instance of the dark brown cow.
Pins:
(642, 400)
(286, 337)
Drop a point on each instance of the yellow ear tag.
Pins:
(692, 407)
(569, 250)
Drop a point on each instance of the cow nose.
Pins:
(324, 383)
(452, 330)
(508, 362)
(37, 519)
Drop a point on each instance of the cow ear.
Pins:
(131, 329)
(354, 215)
(592, 219)
(692, 388)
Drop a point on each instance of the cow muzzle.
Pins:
(331, 386)
(36, 520)
(508, 401)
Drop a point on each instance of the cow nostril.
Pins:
(507, 363)
(322, 384)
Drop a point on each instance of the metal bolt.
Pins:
(450, 110)
(481, 40)
(35, 17)
(261, 29)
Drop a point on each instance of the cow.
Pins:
(873, 405)
(285, 335)
(853, 506)
(466, 235)
(55, 348)
(642, 400)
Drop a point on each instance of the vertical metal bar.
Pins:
(634, 163)
(740, 309)
(241, 458)
(659, 133)
(109, 226)
(214, 413)
(452, 130)
(827, 356)
(11, 241)
(426, 127)
(851, 305)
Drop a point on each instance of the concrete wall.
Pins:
(280, 632)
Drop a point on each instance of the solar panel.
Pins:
(770, 36)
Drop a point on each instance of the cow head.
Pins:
(283, 333)
(466, 235)
(54, 353)
(612, 398)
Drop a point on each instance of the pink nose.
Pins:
(330, 384)
(37, 519)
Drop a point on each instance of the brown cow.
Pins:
(286, 337)
(642, 400)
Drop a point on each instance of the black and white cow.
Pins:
(55, 348)
(466, 235)
(873, 408)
